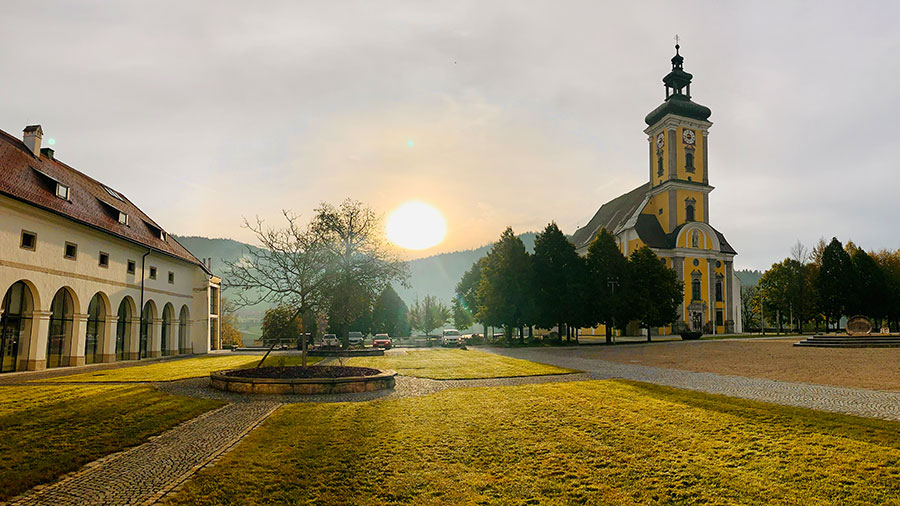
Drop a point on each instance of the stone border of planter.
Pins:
(303, 386)
(367, 352)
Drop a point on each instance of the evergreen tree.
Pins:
(505, 291)
(467, 291)
(559, 281)
(389, 315)
(653, 290)
(428, 314)
(607, 269)
(834, 281)
(870, 286)
(461, 317)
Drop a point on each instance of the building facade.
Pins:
(670, 213)
(86, 276)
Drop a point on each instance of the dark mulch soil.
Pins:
(313, 371)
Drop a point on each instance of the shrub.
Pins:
(690, 336)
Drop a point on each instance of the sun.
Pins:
(416, 225)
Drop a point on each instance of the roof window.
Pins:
(114, 193)
(62, 191)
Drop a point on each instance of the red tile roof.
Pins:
(29, 179)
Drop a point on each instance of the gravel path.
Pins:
(145, 473)
(853, 401)
(406, 386)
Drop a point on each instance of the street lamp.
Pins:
(612, 282)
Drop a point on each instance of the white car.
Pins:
(330, 341)
(450, 337)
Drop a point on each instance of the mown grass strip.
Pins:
(50, 430)
(593, 443)
(170, 370)
(443, 364)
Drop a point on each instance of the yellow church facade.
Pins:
(670, 213)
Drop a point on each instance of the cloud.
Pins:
(520, 112)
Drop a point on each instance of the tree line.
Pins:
(556, 287)
(813, 288)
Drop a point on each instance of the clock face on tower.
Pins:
(660, 140)
(688, 136)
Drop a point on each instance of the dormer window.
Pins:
(62, 191)
(162, 235)
(123, 218)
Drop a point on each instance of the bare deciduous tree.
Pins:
(291, 268)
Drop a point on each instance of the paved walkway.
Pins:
(853, 401)
(147, 472)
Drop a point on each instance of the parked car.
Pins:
(355, 338)
(450, 337)
(382, 341)
(330, 341)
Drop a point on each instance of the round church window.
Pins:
(696, 262)
(718, 263)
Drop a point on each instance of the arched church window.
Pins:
(719, 290)
(689, 161)
(689, 213)
(695, 240)
(659, 165)
(695, 288)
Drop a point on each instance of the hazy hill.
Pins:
(748, 277)
(435, 275)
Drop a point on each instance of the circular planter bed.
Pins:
(363, 352)
(302, 380)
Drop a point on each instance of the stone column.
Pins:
(108, 346)
(34, 356)
(74, 349)
(133, 339)
(153, 347)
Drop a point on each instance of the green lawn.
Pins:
(456, 364)
(50, 430)
(170, 370)
(592, 443)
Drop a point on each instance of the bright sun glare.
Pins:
(416, 225)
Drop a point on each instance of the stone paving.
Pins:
(852, 401)
(406, 386)
(145, 473)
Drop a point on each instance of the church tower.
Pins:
(677, 134)
(670, 212)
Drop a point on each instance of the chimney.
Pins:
(32, 138)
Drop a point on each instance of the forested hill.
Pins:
(748, 277)
(435, 275)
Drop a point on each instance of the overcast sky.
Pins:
(519, 112)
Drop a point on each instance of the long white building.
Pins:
(85, 275)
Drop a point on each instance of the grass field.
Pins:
(50, 430)
(592, 443)
(170, 370)
(456, 364)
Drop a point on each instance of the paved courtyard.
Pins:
(853, 401)
(146, 473)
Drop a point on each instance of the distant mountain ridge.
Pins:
(435, 275)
